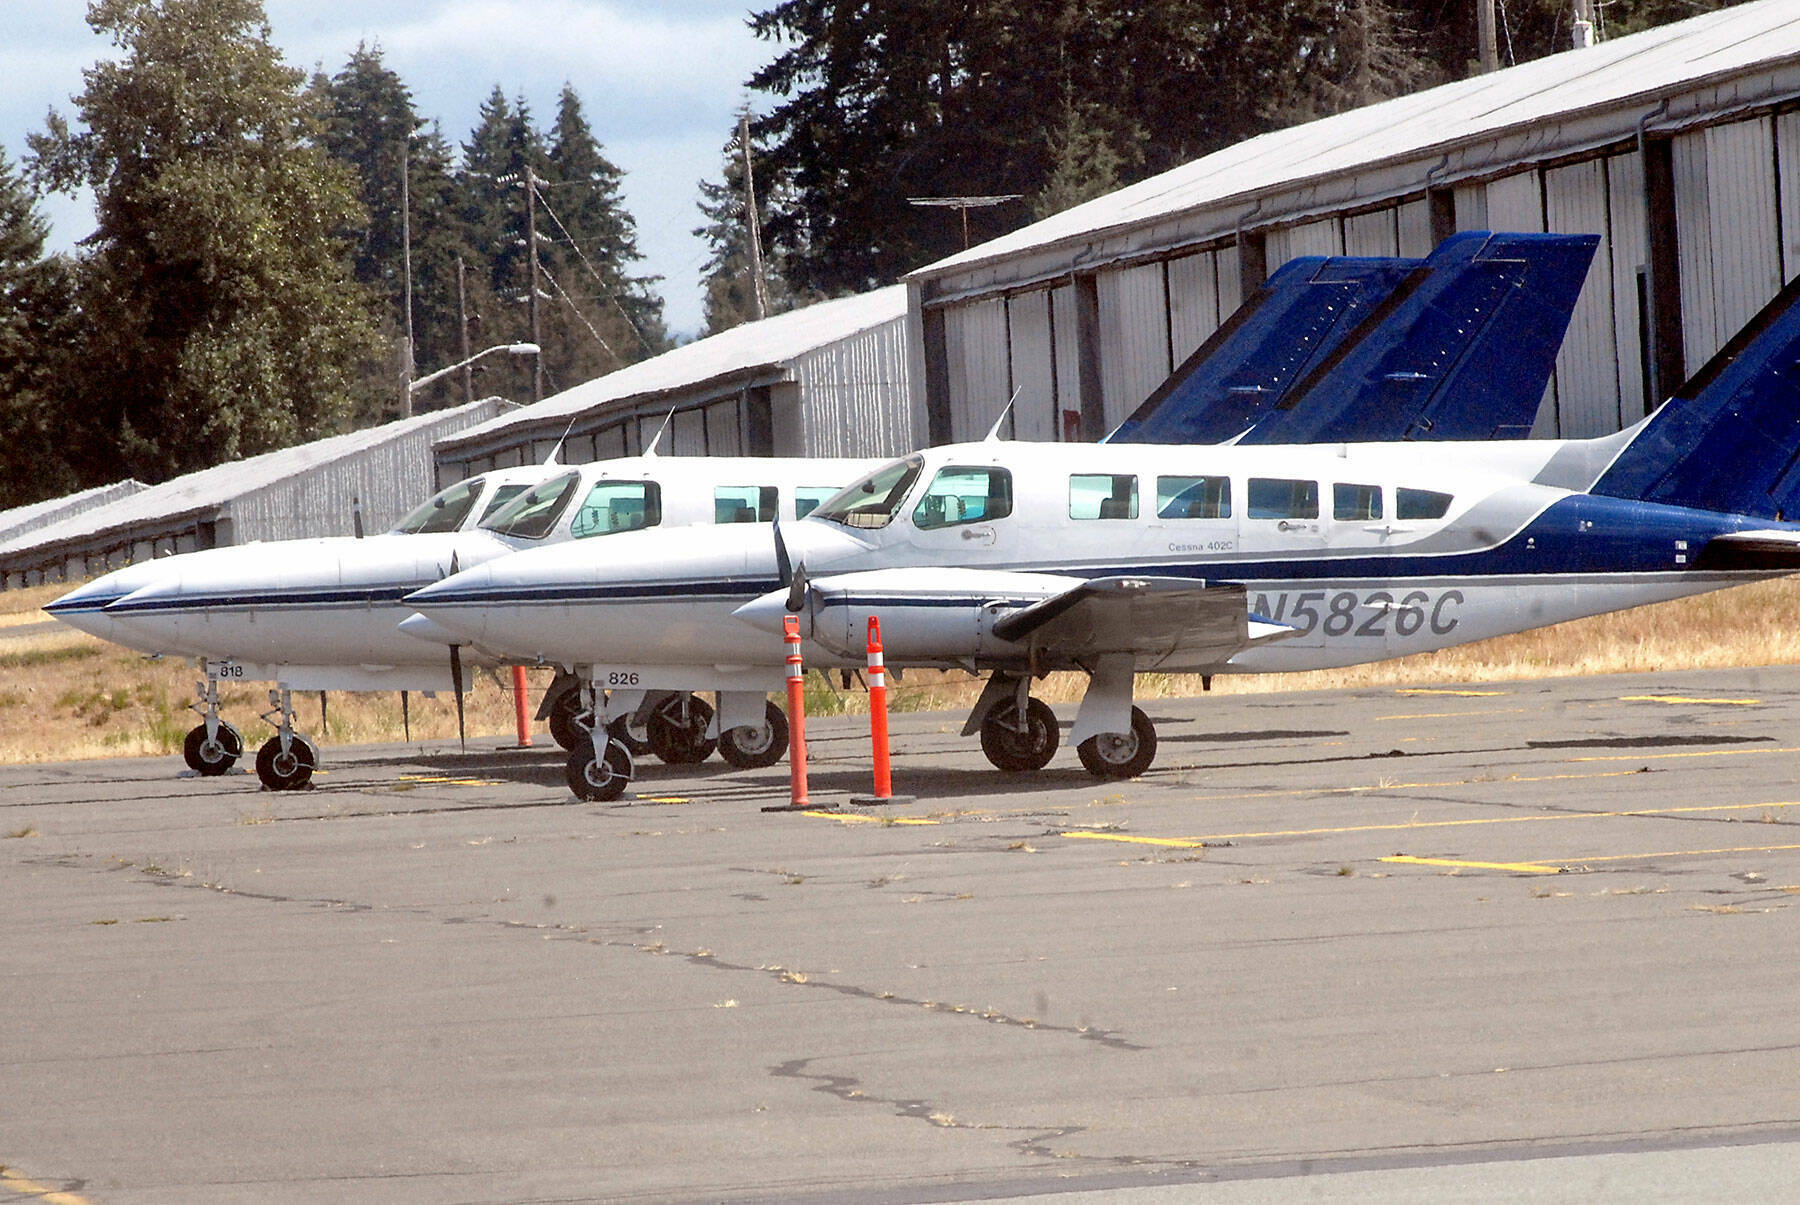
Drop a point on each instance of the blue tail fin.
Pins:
(1296, 319)
(1465, 354)
(1729, 438)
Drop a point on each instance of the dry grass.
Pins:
(66, 695)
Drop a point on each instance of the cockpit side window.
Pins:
(744, 504)
(1193, 497)
(1420, 504)
(876, 499)
(613, 506)
(502, 495)
(1281, 498)
(808, 498)
(1355, 503)
(533, 513)
(443, 511)
(964, 494)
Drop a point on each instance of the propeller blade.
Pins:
(784, 568)
(796, 598)
(456, 682)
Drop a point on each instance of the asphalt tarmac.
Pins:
(1522, 940)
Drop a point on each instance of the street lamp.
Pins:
(408, 387)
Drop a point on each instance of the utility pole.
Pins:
(462, 327)
(759, 290)
(531, 251)
(408, 367)
(1583, 33)
(1484, 35)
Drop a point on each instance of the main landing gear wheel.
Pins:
(289, 769)
(565, 726)
(677, 730)
(1018, 748)
(1112, 755)
(620, 730)
(210, 758)
(600, 781)
(754, 746)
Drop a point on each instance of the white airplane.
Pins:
(1472, 331)
(326, 614)
(1115, 559)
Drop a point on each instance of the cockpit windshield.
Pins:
(443, 511)
(533, 513)
(876, 499)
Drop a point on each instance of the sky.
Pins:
(659, 80)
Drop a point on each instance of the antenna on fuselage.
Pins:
(667, 419)
(556, 449)
(993, 435)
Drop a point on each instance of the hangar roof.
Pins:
(1619, 82)
(768, 344)
(209, 490)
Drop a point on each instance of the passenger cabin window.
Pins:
(876, 499)
(1420, 504)
(744, 504)
(533, 513)
(443, 511)
(1352, 503)
(1193, 497)
(808, 498)
(617, 506)
(1279, 498)
(502, 495)
(964, 494)
(1103, 496)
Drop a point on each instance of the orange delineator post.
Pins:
(519, 714)
(796, 697)
(878, 720)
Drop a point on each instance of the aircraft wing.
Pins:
(1775, 550)
(1152, 618)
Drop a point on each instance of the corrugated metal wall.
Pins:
(1625, 235)
(1034, 414)
(1746, 236)
(855, 398)
(1193, 302)
(1134, 338)
(1587, 377)
(1372, 233)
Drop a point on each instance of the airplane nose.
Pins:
(769, 613)
(425, 628)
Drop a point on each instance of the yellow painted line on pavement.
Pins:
(1410, 786)
(1687, 699)
(1451, 715)
(1650, 813)
(854, 818)
(1514, 867)
(1684, 853)
(447, 781)
(662, 799)
(12, 1181)
(1462, 694)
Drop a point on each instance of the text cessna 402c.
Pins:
(1020, 559)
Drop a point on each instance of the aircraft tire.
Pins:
(564, 729)
(676, 743)
(289, 771)
(602, 781)
(620, 730)
(212, 758)
(1016, 750)
(756, 746)
(1112, 756)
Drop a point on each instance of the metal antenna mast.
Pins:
(962, 205)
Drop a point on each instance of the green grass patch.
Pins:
(31, 658)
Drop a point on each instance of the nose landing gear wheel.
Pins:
(1017, 748)
(1115, 755)
(755, 746)
(286, 770)
(680, 739)
(599, 781)
(210, 758)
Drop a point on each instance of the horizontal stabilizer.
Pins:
(1466, 354)
(1752, 550)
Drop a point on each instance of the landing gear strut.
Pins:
(287, 760)
(214, 746)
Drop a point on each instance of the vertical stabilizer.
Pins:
(1729, 438)
(1464, 355)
